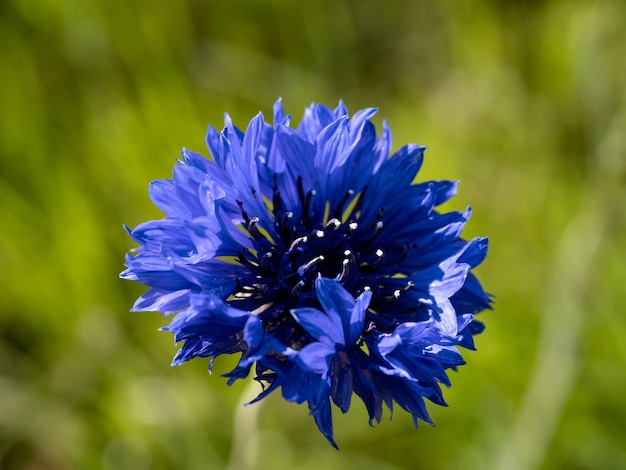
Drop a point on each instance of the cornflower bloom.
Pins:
(312, 252)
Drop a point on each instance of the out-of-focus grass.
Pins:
(524, 102)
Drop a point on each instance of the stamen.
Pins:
(262, 308)
(339, 209)
(243, 295)
(371, 326)
(381, 257)
(319, 234)
(333, 224)
(297, 242)
(393, 297)
(345, 270)
(284, 225)
(266, 262)
(349, 256)
(352, 226)
(243, 212)
(252, 228)
(307, 203)
(276, 201)
(297, 288)
(404, 252)
(303, 270)
(245, 260)
(300, 189)
(378, 227)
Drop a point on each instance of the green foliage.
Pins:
(524, 102)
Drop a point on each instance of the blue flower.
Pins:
(335, 355)
(311, 252)
(210, 328)
(410, 363)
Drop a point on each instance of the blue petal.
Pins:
(159, 300)
(164, 196)
(211, 328)
(169, 232)
(367, 392)
(212, 275)
(154, 271)
(214, 144)
(279, 114)
(357, 318)
(383, 147)
(316, 117)
(475, 251)
(322, 414)
(300, 385)
(341, 109)
(298, 153)
(401, 168)
(210, 191)
(338, 303)
(329, 147)
(361, 118)
(454, 275)
(471, 298)
(406, 394)
(195, 160)
(342, 381)
(323, 326)
(316, 357)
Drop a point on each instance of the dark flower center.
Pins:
(336, 245)
(282, 272)
(285, 270)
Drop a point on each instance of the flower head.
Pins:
(312, 252)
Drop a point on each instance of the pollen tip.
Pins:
(297, 288)
(333, 224)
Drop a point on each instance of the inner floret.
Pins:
(336, 243)
(285, 270)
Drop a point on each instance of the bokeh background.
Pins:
(523, 101)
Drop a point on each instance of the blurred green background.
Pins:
(523, 101)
